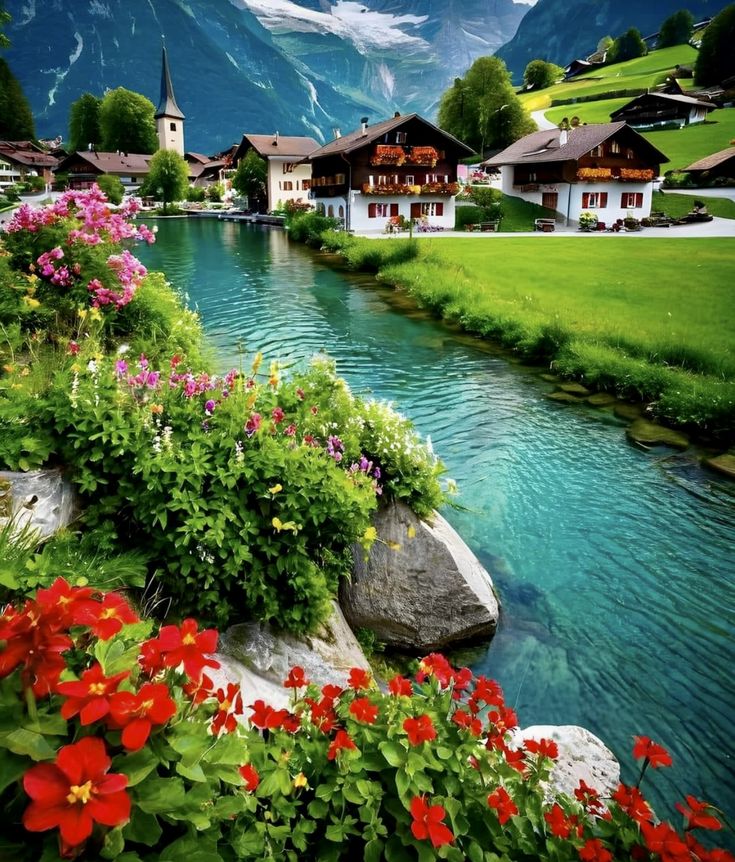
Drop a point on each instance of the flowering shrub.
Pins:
(425, 156)
(593, 174)
(642, 175)
(440, 189)
(387, 154)
(115, 744)
(388, 189)
(248, 490)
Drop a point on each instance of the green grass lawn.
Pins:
(687, 145)
(653, 318)
(676, 205)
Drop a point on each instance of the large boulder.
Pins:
(582, 755)
(42, 500)
(420, 588)
(259, 657)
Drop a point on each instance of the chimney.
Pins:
(337, 133)
(275, 140)
(397, 114)
(364, 122)
(563, 137)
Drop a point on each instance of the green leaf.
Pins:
(394, 753)
(28, 743)
(142, 828)
(193, 773)
(374, 851)
(161, 796)
(113, 844)
(136, 766)
(11, 769)
(317, 809)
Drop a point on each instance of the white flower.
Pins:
(123, 349)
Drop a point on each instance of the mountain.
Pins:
(561, 30)
(303, 67)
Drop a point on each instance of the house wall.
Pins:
(9, 173)
(400, 205)
(283, 172)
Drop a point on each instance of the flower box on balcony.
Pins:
(592, 175)
(440, 189)
(388, 189)
(424, 156)
(636, 175)
(387, 154)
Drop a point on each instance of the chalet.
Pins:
(204, 170)
(606, 168)
(22, 159)
(657, 109)
(85, 166)
(289, 176)
(721, 164)
(404, 166)
(578, 67)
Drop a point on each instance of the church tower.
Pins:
(169, 117)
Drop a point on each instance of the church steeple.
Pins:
(169, 116)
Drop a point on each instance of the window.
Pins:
(629, 154)
(341, 211)
(432, 209)
(409, 180)
(631, 200)
(330, 211)
(382, 210)
(383, 180)
(287, 186)
(615, 147)
(288, 167)
(400, 137)
(340, 179)
(172, 126)
(597, 151)
(306, 185)
(594, 200)
(432, 178)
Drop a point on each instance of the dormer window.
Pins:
(629, 154)
(615, 147)
(597, 152)
(401, 137)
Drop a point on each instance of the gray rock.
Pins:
(421, 588)
(261, 657)
(724, 464)
(651, 434)
(574, 388)
(582, 755)
(42, 500)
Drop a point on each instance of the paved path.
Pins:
(540, 119)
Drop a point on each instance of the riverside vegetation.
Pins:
(245, 491)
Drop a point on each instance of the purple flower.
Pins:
(209, 407)
(121, 367)
(253, 423)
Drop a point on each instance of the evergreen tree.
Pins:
(16, 118)
(676, 29)
(539, 74)
(4, 18)
(168, 177)
(127, 122)
(482, 108)
(84, 122)
(627, 47)
(250, 178)
(716, 58)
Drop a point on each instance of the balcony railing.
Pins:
(394, 154)
(404, 189)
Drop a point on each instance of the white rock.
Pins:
(42, 500)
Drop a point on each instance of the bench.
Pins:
(547, 225)
(483, 226)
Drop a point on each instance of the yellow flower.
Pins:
(256, 363)
(76, 368)
(9, 368)
(31, 302)
(370, 535)
(275, 489)
(25, 372)
(300, 780)
(95, 314)
(280, 526)
(156, 408)
(82, 312)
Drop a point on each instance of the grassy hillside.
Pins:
(633, 74)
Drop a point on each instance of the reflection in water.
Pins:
(615, 569)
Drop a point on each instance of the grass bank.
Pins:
(678, 205)
(626, 317)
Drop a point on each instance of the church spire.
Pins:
(169, 116)
(167, 106)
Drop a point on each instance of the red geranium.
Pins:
(654, 753)
(503, 805)
(296, 678)
(544, 747)
(323, 714)
(419, 729)
(229, 705)
(64, 601)
(696, 814)
(595, 851)
(561, 825)
(488, 691)
(250, 776)
(664, 841)
(363, 710)
(186, 645)
(359, 679)
(199, 690)
(107, 617)
(331, 691)
(33, 641)
(89, 697)
(342, 742)
(464, 719)
(400, 686)
(435, 665)
(75, 792)
(137, 714)
(631, 800)
(427, 822)
(265, 717)
(588, 796)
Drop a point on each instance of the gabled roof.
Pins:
(167, 106)
(712, 161)
(27, 154)
(544, 146)
(197, 157)
(666, 97)
(359, 138)
(111, 163)
(281, 145)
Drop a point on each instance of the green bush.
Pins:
(196, 194)
(309, 227)
(112, 187)
(465, 215)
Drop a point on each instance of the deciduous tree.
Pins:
(168, 177)
(112, 186)
(676, 29)
(539, 74)
(716, 58)
(250, 178)
(84, 122)
(127, 122)
(627, 47)
(482, 108)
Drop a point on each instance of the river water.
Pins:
(615, 567)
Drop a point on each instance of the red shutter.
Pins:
(439, 209)
(624, 201)
(603, 200)
(639, 199)
(585, 200)
(416, 210)
(394, 209)
(372, 210)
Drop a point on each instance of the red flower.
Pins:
(296, 678)
(199, 690)
(544, 747)
(291, 722)
(250, 775)
(695, 813)
(419, 729)
(488, 691)
(229, 705)
(363, 710)
(150, 658)
(588, 796)
(73, 348)
(75, 792)
(264, 717)
(323, 715)
(342, 742)
(33, 641)
(186, 645)
(427, 822)
(654, 753)
(277, 415)
(90, 696)
(400, 686)
(331, 691)
(435, 665)
(631, 800)
(664, 841)
(561, 825)
(107, 617)
(594, 851)
(465, 720)
(64, 601)
(503, 805)
(359, 679)
(136, 714)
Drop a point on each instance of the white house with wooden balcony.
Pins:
(289, 176)
(405, 166)
(606, 168)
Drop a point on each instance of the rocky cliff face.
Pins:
(560, 30)
(257, 65)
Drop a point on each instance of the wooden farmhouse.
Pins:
(720, 164)
(404, 166)
(662, 109)
(606, 168)
(22, 159)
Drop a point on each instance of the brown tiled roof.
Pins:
(297, 147)
(543, 146)
(25, 153)
(712, 161)
(667, 97)
(358, 138)
(112, 163)
(197, 157)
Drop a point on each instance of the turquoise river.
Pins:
(615, 567)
